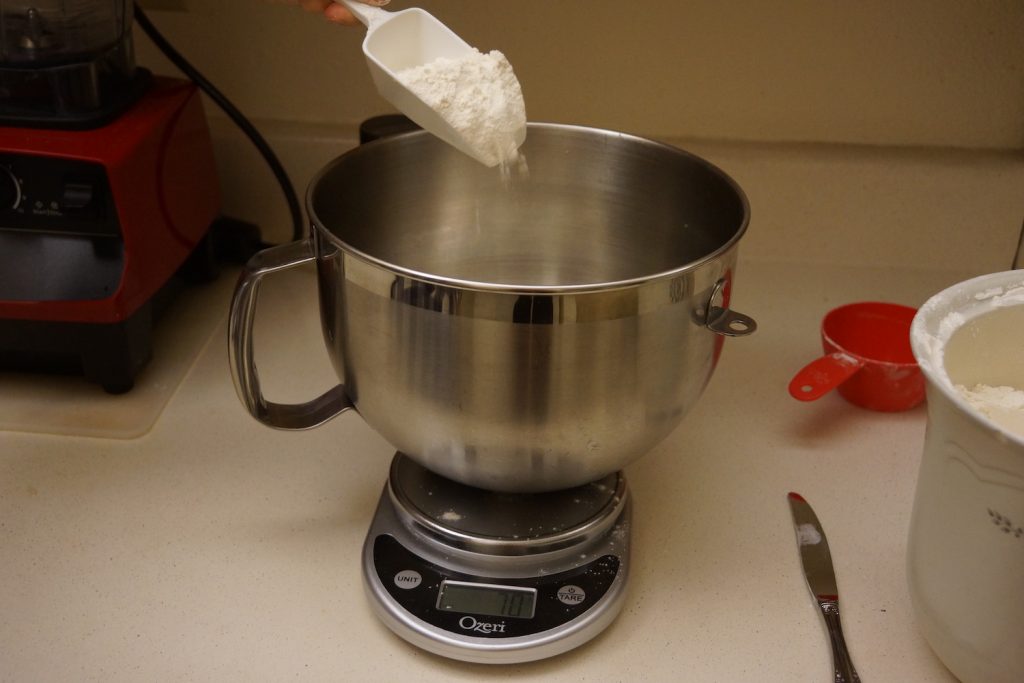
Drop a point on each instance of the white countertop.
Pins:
(212, 548)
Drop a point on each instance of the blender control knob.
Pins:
(10, 189)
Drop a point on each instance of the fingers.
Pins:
(337, 13)
(315, 5)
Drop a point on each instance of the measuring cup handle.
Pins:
(240, 347)
(821, 376)
(368, 14)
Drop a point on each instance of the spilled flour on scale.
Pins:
(479, 96)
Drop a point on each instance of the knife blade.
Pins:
(821, 580)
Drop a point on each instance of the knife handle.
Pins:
(841, 661)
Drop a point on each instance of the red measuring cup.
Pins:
(867, 357)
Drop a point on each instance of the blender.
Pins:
(67, 63)
(108, 189)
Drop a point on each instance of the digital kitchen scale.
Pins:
(483, 576)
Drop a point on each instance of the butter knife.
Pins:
(821, 579)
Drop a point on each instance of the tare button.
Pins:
(571, 595)
(408, 578)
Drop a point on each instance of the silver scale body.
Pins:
(496, 539)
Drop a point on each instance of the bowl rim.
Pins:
(478, 285)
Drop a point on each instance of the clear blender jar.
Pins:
(66, 63)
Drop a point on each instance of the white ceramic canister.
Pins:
(965, 563)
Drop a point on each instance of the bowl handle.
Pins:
(720, 319)
(240, 348)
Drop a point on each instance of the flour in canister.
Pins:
(479, 96)
(1001, 404)
(931, 347)
(1004, 405)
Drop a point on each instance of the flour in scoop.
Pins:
(480, 97)
(1002, 405)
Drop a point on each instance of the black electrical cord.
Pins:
(294, 208)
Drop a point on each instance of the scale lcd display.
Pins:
(486, 599)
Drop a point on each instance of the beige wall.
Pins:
(935, 73)
(910, 72)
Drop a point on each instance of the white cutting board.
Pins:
(69, 405)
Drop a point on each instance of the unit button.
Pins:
(408, 578)
(571, 595)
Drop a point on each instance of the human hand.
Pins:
(336, 12)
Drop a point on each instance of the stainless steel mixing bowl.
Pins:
(518, 332)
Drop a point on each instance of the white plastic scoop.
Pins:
(406, 39)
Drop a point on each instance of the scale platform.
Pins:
(483, 576)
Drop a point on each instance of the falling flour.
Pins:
(479, 96)
(1003, 405)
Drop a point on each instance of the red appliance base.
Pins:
(94, 225)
